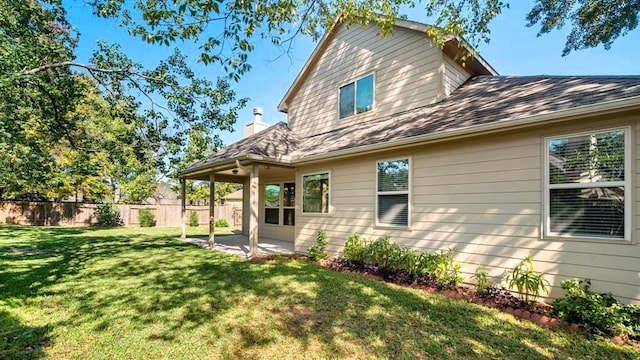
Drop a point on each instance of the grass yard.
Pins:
(134, 293)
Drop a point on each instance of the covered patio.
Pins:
(239, 245)
(257, 162)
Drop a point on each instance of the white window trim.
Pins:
(287, 207)
(301, 192)
(281, 206)
(264, 221)
(353, 81)
(408, 192)
(627, 183)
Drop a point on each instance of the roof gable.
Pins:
(453, 47)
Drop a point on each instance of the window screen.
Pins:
(393, 193)
(357, 97)
(315, 195)
(586, 185)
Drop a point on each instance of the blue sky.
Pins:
(514, 49)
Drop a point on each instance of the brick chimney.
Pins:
(256, 125)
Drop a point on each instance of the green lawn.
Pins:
(140, 293)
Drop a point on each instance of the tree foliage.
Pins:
(593, 22)
(226, 32)
(67, 126)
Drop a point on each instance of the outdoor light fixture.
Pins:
(234, 171)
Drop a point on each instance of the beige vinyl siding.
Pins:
(453, 76)
(406, 75)
(484, 197)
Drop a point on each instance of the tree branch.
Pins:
(84, 66)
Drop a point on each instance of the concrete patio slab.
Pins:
(239, 245)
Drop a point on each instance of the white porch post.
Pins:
(183, 208)
(254, 182)
(212, 207)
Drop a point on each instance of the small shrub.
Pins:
(528, 282)
(444, 268)
(377, 252)
(222, 223)
(108, 215)
(354, 248)
(146, 218)
(598, 313)
(483, 283)
(390, 257)
(317, 252)
(193, 219)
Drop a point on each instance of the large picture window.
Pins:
(315, 193)
(392, 206)
(356, 97)
(587, 185)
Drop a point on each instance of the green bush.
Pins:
(378, 252)
(444, 268)
(317, 252)
(391, 256)
(146, 218)
(482, 280)
(528, 282)
(354, 248)
(108, 215)
(193, 219)
(598, 313)
(222, 223)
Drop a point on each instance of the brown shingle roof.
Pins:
(274, 143)
(483, 100)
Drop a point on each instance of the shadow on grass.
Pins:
(18, 341)
(155, 289)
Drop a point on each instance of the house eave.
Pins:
(613, 106)
(228, 163)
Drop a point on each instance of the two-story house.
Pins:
(395, 136)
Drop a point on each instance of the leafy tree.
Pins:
(593, 22)
(43, 132)
(168, 113)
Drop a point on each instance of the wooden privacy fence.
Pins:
(79, 214)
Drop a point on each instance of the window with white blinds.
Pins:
(392, 203)
(587, 185)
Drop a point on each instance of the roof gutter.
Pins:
(556, 116)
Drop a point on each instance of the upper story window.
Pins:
(588, 185)
(356, 97)
(392, 203)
